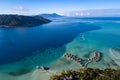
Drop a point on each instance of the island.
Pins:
(51, 15)
(22, 21)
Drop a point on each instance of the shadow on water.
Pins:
(19, 72)
(17, 43)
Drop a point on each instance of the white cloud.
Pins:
(20, 8)
(93, 12)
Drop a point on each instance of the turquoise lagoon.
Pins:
(22, 49)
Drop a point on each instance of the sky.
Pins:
(33, 7)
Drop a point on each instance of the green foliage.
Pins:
(89, 74)
(22, 21)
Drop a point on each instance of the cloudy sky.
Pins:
(31, 7)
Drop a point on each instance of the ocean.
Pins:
(23, 48)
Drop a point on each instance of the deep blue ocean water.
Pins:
(17, 43)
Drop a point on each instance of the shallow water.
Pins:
(46, 44)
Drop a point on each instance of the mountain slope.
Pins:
(50, 15)
(20, 20)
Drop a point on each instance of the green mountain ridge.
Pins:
(22, 21)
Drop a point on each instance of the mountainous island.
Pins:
(22, 21)
(51, 15)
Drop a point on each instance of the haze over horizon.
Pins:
(63, 7)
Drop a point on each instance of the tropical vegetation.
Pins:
(88, 74)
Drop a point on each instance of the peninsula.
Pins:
(22, 21)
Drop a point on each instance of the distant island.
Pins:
(22, 21)
(51, 15)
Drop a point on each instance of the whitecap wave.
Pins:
(83, 36)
